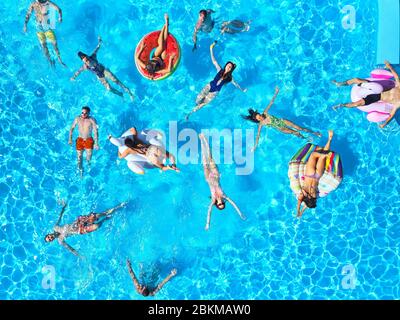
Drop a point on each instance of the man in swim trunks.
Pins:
(391, 96)
(86, 124)
(204, 23)
(82, 225)
(45, 32)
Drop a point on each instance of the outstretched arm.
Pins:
(396, 76)
(299, 210)
(58, 9)
(236, 208)
(70, 249)
(72, 130)
(124, 154)
(137, 56)
(28, 16)
(272, 101)
(77, 73)
(214, 61)
(162, 283)
(258, 136)
(196, 29)
(61, 214)
(133, 276)
(209, 215)
(172, 159)
(100, 42)
(238, 86)
(96, 133)
(392, 114)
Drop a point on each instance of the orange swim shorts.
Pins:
(84, 143)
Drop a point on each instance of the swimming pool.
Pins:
(298, 45)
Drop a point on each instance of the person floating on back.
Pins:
(212, 176)
(391, 96)
(157, 64)
(283, 125)
(145, 290)
(211, 90)
(315, 169)
(205, 23)
(86, 124)
(103, 74)
(44, 27)
(82, 225)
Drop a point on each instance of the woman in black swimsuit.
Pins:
(92, 64)
(156, 64)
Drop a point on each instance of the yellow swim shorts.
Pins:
(49, 35)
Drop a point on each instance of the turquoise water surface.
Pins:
(300, 46)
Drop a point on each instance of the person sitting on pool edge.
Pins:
(283, 125)
(45, 31)
(82, 225)
(144, 290)
(156, 64)
(391, 96)
(92, 64)
(154, 154)
(211, 90)
(205, 23)
(315, 168)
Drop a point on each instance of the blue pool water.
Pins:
(298, 45)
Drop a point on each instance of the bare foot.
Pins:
(166, 18)
(339, 84)
(318, 134)
(330, 134)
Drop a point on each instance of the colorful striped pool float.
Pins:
(329, 182)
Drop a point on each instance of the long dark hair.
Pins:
(134, 145)
(252, 116)
(228, 76)
(82, 55)
(310, 201)
(152, 67)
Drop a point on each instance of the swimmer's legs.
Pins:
(109, 75)
(110, 211)
(46, 52)
(162, 39)
(293, 125)
(291, 131)
(89, 153)
(109, 88)
(55, 46)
